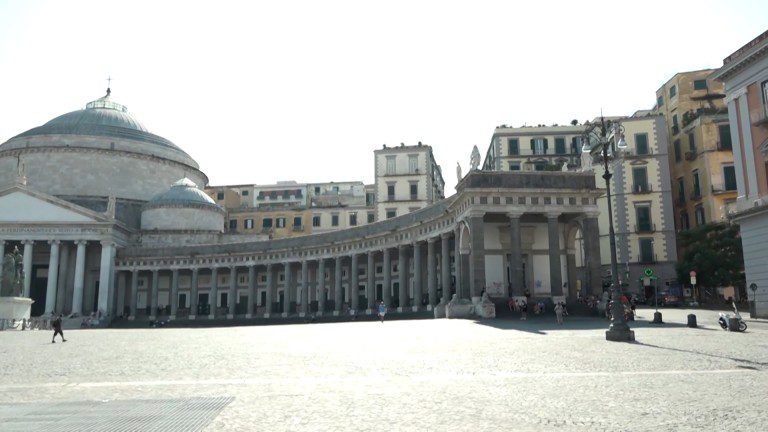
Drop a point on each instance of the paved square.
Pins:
(403, 375)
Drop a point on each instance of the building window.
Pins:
(371, 217)
(765, 97)
(539, 146)
(390, 192)
(729, 177)
(678, 154)
(640, 179)
(244, 193)
(413, 164)
(220, 196)
(334, 220)
(317, 190)
(316, 220)
(233, 224)
(575, 148)
(249, 224)
(660, 101)
(335, 189)
(514, 166)
(672, 92)
(725, 137)
(390, 164)
(266, 223)
(700, 84)
(352, 219)
(700, 215)
(681, 190)
(297, 221)
(685, 224)
(559, 145)
(641, 143)
(513, 146)
(391, 213)
(675, 126)
(646, 250)
(414, 191)
(539, 166)
(280, 222)
(696, 185)
(643, 215)
(370, 197)
(691, 143)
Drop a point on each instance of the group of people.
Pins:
(539, 307)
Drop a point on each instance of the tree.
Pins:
(714, 252)
(574, 122)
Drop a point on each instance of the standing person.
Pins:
(57, 329)
(559, 313)
(382, 311)
(524, 310)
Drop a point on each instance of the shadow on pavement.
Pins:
(542, 324)
(738, 360)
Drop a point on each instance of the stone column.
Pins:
(402, 277)
(370, 285)
(2, 258)
(304, 288)
(154, 294)
(27, 260)
(77, 294)
(416, 301)
(232, 292)
(134, 293)
(431, 273)
(459, 288)
(321, 285)
(386, 289)
(338, 298)
(213, 297)
(251, 291)
(61, 288)
(105, 272)
(270, 291)
(591, 235)
(173, 297)
(477, 256)
(445, 266)
(53, 275)
(193, 294)
(515, 256)
(286, 289)
(354, 283)
(555, 271)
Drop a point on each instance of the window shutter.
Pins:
(546, 144)
(533, 144)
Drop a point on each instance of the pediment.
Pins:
(21, 205)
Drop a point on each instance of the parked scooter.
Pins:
(724, 318)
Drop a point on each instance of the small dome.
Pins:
(183, 193)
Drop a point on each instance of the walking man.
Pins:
(57, 329)
(382, 311)
(559, 313)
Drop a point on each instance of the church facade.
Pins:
(112, 219)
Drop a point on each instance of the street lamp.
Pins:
(606, 141)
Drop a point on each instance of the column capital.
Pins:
(81, 242)
(54, 242)
(402, 246)
(591, 214)
(552, 215)
(515, 214)
(27, 242)
(107, 243)
(432, 240)
(446, 235)
(2, 242)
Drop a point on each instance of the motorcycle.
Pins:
(724, 318)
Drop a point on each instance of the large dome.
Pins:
(183, 207)
(183, 193)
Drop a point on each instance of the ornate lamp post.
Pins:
(605, 140)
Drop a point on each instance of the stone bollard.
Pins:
(691, 320)
(657, 318)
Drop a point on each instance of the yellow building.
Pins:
(700, 156)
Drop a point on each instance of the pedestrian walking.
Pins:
(559, 313)
(57, 329)
(524, 310)
(382, 311)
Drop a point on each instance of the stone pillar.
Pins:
(173, 297)
(338, 298)
(105, 272)
(134, 293)
(515, 256)
(53, 277)
(386, 289)
(270, 306)
(193, 294)
(213, 297)
(445, 266)
(370, 285)
(570, 263)
(416, 301)
(287, 288)
(154, 294)
(459, 288)
(555, 270)
(354, 283)
(477, 256)
(431, 273)
(27, 260)
(77, 294)
(402, 277)
(61, 288)
(251, 291)
(232, 292)
(304, 288)
(321, 285)
(2, 259)
(591, 235)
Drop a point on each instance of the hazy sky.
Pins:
(263, 91)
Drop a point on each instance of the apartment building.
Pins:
(530, 148)
(339, 205)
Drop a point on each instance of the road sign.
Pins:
(648, 271)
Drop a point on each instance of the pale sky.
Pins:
(258, 92)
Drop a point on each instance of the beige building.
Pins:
(534, 148)
(700, 156)
(407, 178)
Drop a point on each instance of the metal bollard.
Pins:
(657, 318)
(691, 320)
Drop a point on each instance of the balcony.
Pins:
(719, 187)
(722, 147)
(645, 228)
(267, 230)
(691, 155)
(632, 153)
(696, 195)
(298, 228)
(675, 129)
(642, 188)
(647, 259)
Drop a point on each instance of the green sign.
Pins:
(648, 271)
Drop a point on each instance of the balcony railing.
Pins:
(723, 147)
(719, 187)
(642, 188)
(691, 155)
(647, 259)
(645, 228)
(298, 227)
(634, 153)
(675, 129)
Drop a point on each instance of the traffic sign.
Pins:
(648, 271)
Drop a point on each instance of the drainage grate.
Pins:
(189, 414)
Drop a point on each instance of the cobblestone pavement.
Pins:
(423, 375)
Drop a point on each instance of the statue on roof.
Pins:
(458, 172)
(111, 207)
(474, 160)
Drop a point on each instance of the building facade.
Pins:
(526, 148)
(745, 77)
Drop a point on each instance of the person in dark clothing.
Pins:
(57, 329)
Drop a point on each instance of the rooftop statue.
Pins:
(13, 272)
(474, 160)
(458, 172)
